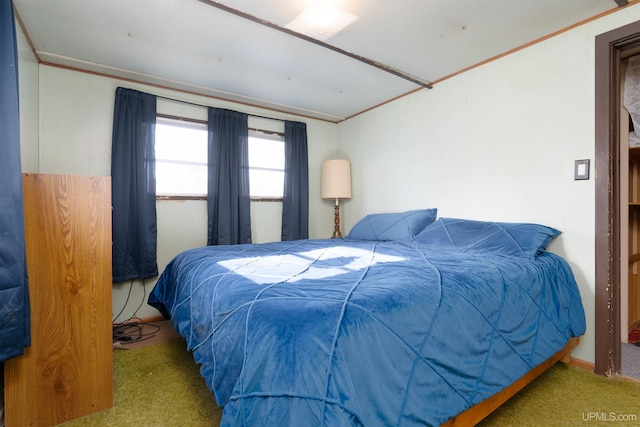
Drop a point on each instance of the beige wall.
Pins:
(498, 143)
(75, 125)
(28, 88)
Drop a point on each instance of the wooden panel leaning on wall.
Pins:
(67, 371)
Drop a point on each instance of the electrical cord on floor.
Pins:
(133, 330)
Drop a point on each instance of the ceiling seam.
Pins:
(320, 43)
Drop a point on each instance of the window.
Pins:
(266, 164)
(181, 160)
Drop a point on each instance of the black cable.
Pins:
(133, 331)
(125, 303)
(144, 296)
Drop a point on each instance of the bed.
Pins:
(408, 321)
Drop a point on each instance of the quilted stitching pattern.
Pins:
(393, 226)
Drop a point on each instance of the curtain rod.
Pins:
(207, 106)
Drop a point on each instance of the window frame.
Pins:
(268, 133)
(204, 197)
(180, 196)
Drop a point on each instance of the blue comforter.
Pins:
(372, 333)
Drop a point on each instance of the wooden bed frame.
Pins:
(476, 413)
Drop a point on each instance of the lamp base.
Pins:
(336, 230)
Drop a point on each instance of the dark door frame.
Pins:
(610, 49)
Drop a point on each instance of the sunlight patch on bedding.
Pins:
(314, 264)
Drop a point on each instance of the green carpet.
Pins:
(568, 396)
(160, 385)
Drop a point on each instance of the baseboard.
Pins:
(153, 319)
(626, 378)
(581, 364)
(589, 367)
(146, 319)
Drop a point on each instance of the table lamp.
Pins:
(336, 184)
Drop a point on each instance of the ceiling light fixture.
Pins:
(321, 21)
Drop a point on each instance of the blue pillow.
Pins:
(484, 237)
(392, 226)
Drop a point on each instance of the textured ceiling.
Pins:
(194, 46)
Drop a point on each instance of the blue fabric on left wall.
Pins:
(14, 295)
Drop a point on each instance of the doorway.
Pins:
(611, 48)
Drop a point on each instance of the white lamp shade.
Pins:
(336, 179)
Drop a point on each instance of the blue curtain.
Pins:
(228, 199)
(295, 203)
(133, 174)
(15, 326)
